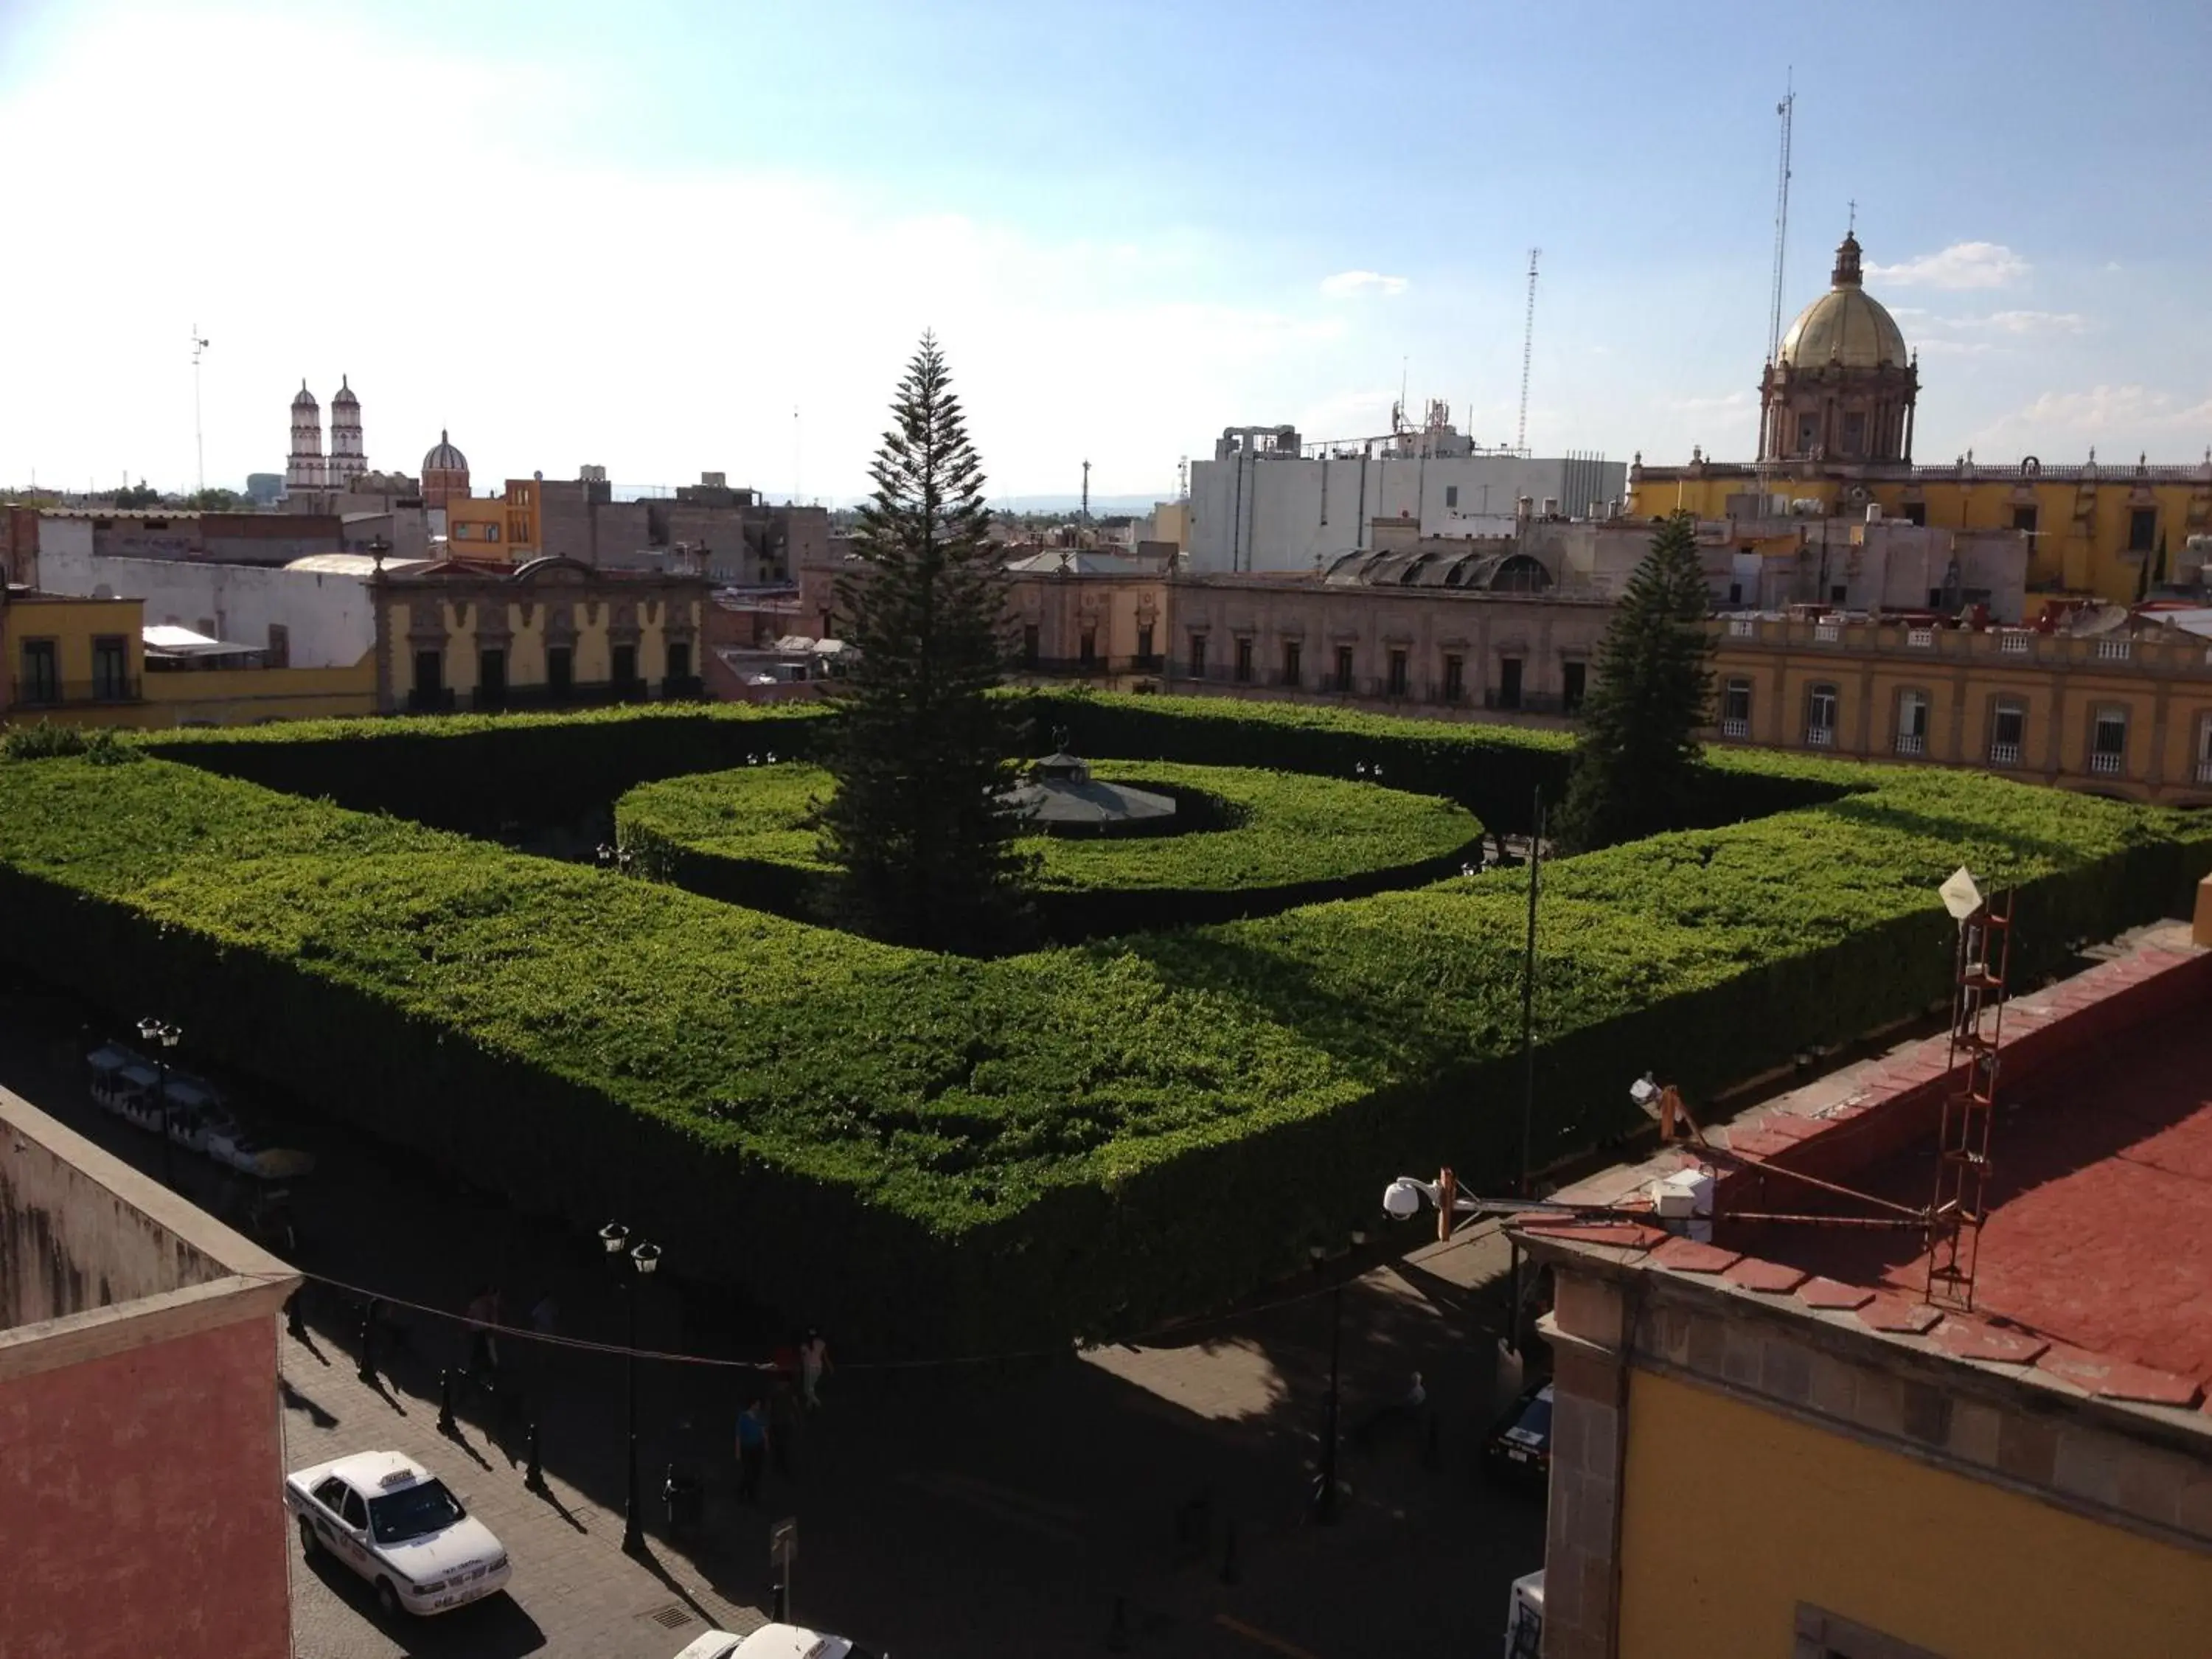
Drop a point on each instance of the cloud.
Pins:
(2128, 417)
(1961, 265)
(1352, 284)
(2027, 322)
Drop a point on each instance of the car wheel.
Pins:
(387, 1599)
(310, 1545)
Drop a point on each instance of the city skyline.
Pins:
(566, 247)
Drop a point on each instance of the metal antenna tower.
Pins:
(1787, 111)
(199, 440)
(1086, 492)
(1527, 341)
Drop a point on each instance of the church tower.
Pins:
(348, 459)
(1843, 387)
(306, 469)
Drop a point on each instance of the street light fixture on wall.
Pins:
(161, 1036)
(644, 1257)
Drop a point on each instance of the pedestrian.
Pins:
(483, 1350)
(782, 1427)
(813, 1361)
(752, 1451)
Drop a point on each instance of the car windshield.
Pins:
(416, 1512)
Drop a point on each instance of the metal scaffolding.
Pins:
(1962, 1165)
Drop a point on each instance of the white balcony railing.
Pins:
(1909, 745)
(1820, 737)
(2004, 753)
(2204, 770)
(2115, 650)
(2014, 644)
(1741, 628)
(1920, 639)
(1732, 727)
(1827, 633)
(2104, 765)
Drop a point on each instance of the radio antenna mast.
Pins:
(1786, 110)
(1528, 340)
(199, 440)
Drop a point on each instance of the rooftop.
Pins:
(2095, 1272)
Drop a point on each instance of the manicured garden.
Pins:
(935, 1152)
(1252, 841)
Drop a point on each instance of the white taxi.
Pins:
(393, 1522)
(773, 1642)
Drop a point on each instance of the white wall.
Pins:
(1276, 513)
(329, 618)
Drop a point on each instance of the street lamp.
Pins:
(645, 1258)
(161, 1036)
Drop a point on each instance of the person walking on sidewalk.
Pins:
(752, 1451)
(483, 1351)
(813, 1361)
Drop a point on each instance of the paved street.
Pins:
(959, 1510)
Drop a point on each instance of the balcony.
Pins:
(430, 700)
(1820, 737)
(2015, 643)
(2115, 650)
(1733, 726)
(1907, 744)
(2004, 753)
(1920, 639)
(65, 694)
(2204, 770)
(1827, 633)
(2104, 765)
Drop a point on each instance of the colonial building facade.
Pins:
(461, 634)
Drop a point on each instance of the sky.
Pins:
(671, 238)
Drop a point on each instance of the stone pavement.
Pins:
(955, 1510)
(573, 1590)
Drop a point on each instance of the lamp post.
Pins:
(379, 549)
(644, 1258)
(161, 1036)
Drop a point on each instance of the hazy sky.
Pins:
(642, 235)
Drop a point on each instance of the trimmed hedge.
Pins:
(943, 1154)
(1260, 841)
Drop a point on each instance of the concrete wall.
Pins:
(1734, 1518)
(248, 696)
(1276, 513)
(329, 618)
(142, 1491)
(144, 1454)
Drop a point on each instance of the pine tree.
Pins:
(1637, 762)
(919, 749)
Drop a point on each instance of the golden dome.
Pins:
(1844, 325)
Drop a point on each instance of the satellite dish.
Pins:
(1959, 894)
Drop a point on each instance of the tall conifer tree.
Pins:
(919, 749)
(1636, 764)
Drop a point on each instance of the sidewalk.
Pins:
(956, 1512)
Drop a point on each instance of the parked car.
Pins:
(1519, 1444)
(389, 1519)
(773, 1642)
(241, 1148)
(126, 1084)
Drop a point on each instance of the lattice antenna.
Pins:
(1786, 111)
(1528, 341)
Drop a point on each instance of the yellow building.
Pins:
(506, 527)
(1786, 1439)
(78, 661)
(550, 632)
(1836, 430)
(2127, 713)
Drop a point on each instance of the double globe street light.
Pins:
(160, 1036)
(644, 1257)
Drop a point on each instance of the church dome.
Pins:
(306, 399)
(1845, 326)
(444, 458)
